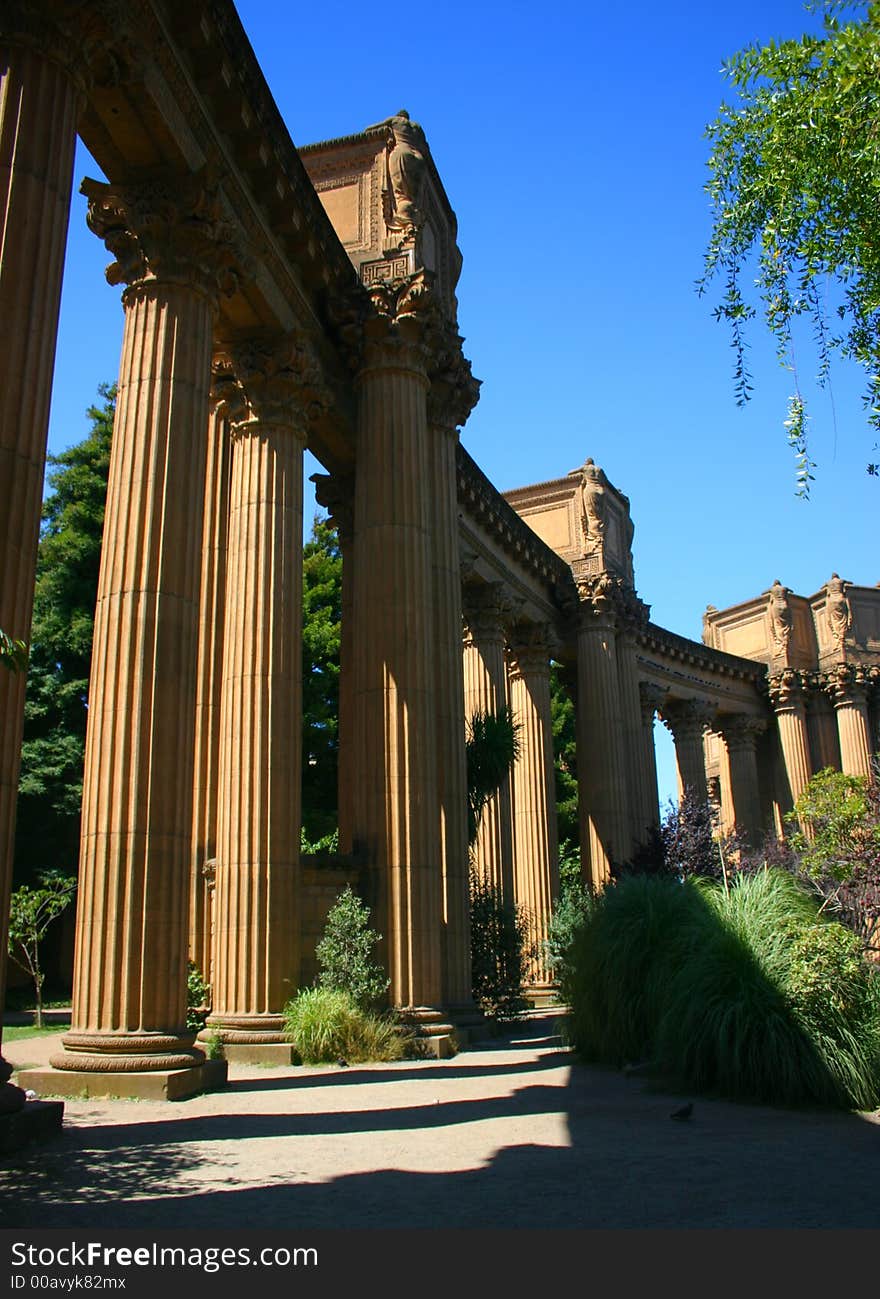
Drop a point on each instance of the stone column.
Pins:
(687, 719)
(536, 847)
(641, 803)
(602, 766)
(208, 679)
(740, 734)
(847, 686)
(789, 705)
(38, 115)
(651, 697)
(129, 997)
(486, 610)
(337, 497)
(397, 805)
(452, 396)
(256, 937)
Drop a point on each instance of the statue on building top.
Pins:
(593, 502)
(837, 610)
(781, 620)
(405, 169)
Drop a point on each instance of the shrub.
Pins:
(344, 953)
(571, 913)
(198, 998)
(326, 1024)
(750, 991)
(499, 951)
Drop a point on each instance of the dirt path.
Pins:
(511, 1134)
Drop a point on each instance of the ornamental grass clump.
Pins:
(326, 1025)
(749, 992)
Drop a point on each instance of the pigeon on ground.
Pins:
(342, 1064)
(684, 1113)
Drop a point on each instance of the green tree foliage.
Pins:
(31, 912)
(564, 756)
(491, 748)
(345, 953)
(50, 786)
(13, 653)
(322, 622)
(795, 183)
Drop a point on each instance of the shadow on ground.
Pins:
(579, 1147)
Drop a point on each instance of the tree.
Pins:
(491, 748)
(13, 653)
(322, 627)
(565, 758)
(794, 187)
(68, 561)
(31, 912)
(344, 954)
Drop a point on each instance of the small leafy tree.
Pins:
(198, 998)
(491, 749)
(13, 653)
(345, 953)
(32, 911)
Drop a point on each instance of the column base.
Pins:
(541, 996)
(124, 1052)
(148, 1085)
(432, 1032)
(244, 1030)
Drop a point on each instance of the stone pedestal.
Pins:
(38, 116)
(256, 936)
(397, 806)
(486, 610)
(534, 794)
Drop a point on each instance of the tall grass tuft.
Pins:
(750, 993)
(325, 1024)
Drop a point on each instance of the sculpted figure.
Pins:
(593, 501)
(780, 617)
(405, 164)
(837, 610)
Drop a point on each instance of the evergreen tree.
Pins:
(565, 758)
(50, 786)
(322, 625)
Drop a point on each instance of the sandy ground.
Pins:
(513, 1133)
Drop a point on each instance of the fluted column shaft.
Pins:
(650, 698)
(129, 998)
(449, 680)
(397, 811)
(602, 768)
(256, 946)
(855, 735)
(641, 805)
(485, 691)
(209, 674)
(38, 114)
(740, 738)
(536, 846)
(687, 720)
(787, 698)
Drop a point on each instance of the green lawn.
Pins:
(12, 1034)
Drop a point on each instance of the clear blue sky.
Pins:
(569, 137)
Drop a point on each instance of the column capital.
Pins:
(846, 684)
(787, 690)
(739, 730)
(688, 718)
(530, 647)
(454, 391)
(651, 696)
(83, 37)
(336, 494)
(488, 610)
(276, 381)
(606, 598)
(166, 228)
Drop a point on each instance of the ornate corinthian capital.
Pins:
(607, 596)
(531, 644)
(846, 684)
(488, 610)
(165, 228)
(740, 731)
(688, 718)
(787, 690)
(651, 696)
(336, 495)
(277, 381)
